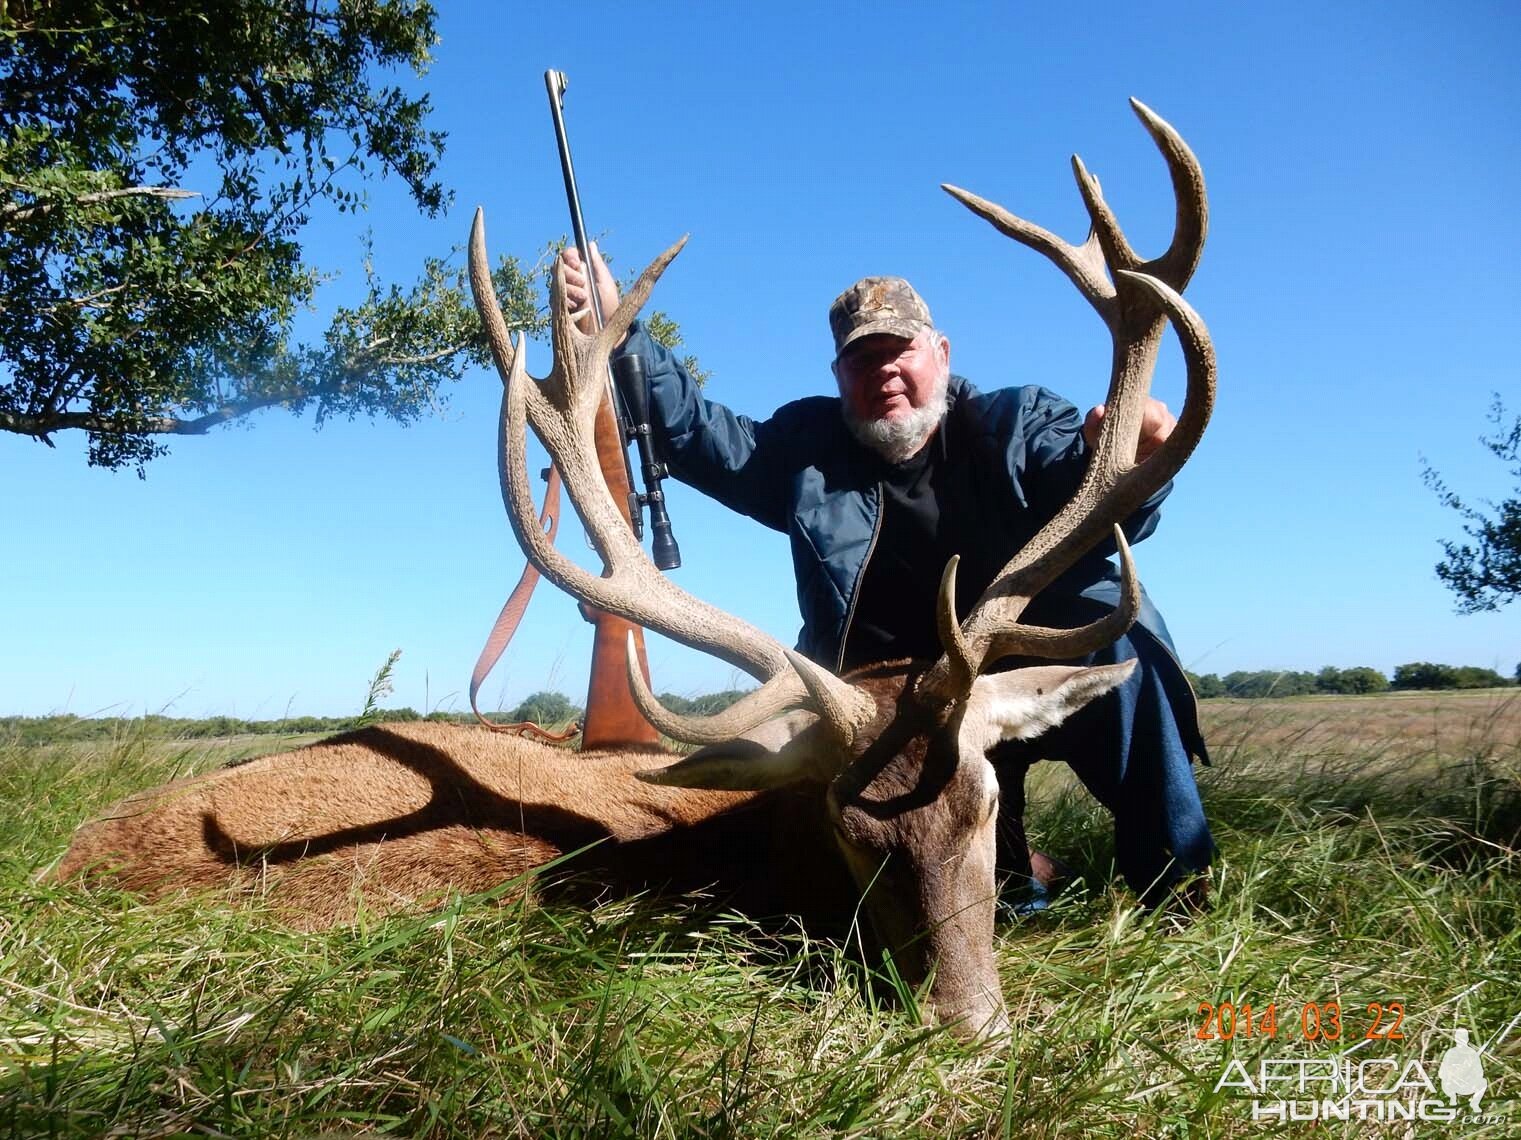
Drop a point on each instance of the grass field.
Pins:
(1368, 857)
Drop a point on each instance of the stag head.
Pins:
(899, 750)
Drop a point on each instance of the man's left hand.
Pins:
(1156, 425)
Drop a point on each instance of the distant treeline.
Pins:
(556, 708)
(552, 708)
(547, 708)
(68, 727)
(1358, 679)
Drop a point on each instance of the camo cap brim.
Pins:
(876, 305)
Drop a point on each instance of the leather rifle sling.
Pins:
(507, 624)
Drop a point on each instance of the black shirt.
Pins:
(894, 613)
(934, 506)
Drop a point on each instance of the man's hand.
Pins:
(578, 296)
(1156, 425)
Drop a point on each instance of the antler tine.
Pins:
(1114, 485)
(1106, 227)
(968, 651)
(1176, 266)
(960, 669)
(1083, 264)
(1107, 248)
(498, 339)
(628, 308)
(843, 708)
(1112, 489)
(1200, 370)
(689, 620)
(1014, 639)
(562, 409)
(783, 692)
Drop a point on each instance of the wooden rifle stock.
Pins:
(612, 719)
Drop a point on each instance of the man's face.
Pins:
(884, 377)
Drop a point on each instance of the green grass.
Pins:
(1360, 874)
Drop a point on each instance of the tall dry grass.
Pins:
(1360, 863)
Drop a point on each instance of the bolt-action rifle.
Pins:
(612, 719)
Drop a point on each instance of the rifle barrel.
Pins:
(555, 82)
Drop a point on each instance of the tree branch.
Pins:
(88, 301)
(401, 361)
(18, 213)
(40, 426)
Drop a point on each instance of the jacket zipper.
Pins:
(855, 593)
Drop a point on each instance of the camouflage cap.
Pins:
(877, 305)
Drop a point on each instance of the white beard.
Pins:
(897, 439)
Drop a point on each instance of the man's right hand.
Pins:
(578, 296)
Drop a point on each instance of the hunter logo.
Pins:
(1462, 1072)
(1381, 1089)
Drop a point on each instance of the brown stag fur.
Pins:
(394, 815)
(397, 815)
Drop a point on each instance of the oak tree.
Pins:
(158, 162)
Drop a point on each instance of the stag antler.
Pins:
(562, 409)
(1136, 299)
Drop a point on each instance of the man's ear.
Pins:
(945, 351)
(784, 750)
(1023, 703)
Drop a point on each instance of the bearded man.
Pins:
(878, 487)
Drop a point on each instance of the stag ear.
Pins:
(1023, 703)
(784, 750)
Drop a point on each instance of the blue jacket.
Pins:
(1017, 456)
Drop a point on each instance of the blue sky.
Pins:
(1359, 280)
